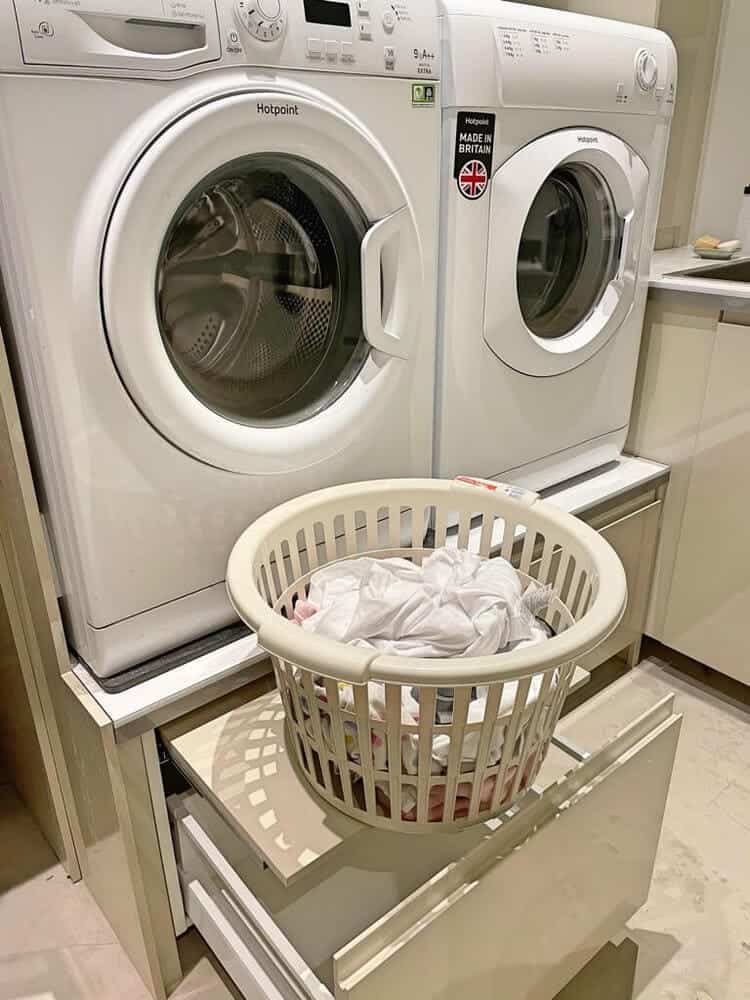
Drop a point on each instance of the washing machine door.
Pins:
(260, 277)
(566, 226)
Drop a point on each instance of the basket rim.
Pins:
(285, 639)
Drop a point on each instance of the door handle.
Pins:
(395, 338)
(624, 247)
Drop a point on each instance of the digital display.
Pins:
(328, 12)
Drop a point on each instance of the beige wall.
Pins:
(694, 26)
(725, 169)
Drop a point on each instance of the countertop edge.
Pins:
(681, 258)
(693, 286)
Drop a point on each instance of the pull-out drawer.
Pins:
(297, 901)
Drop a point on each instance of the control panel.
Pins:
(391, 37)
(558, 64)
(163, 37)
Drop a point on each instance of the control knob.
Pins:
(646, 70)
(263, 19)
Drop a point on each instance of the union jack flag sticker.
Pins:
(472, 179)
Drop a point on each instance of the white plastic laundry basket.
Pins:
(343, 703)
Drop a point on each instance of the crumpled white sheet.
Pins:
(454, 604)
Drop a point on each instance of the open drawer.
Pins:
(299, 901)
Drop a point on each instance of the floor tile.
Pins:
(39, 906)
(98, 973)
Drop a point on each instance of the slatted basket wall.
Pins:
(343, 704)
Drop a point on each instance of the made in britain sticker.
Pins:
(472, 164)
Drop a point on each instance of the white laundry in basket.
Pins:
(455, 604)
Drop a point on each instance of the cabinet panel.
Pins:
(678, 342)
(711, 582)
(634, 539)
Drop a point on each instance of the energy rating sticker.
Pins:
(423, 94)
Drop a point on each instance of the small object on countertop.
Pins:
(706, 243)
(715, 254)
(709, 248)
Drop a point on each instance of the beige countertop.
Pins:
(665, 262)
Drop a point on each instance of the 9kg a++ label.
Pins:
(472, 163)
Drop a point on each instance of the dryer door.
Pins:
(260, 278)
(566, 225)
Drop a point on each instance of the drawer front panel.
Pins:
(527, 918)
(527, 904)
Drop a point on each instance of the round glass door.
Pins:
(569, 250)
(258, 290)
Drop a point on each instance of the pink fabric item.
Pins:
(436, 801)
(302, 610)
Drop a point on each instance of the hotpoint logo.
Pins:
(277, 109)
(588, 138)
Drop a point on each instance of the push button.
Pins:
(233, 42)
(363, 7)
(389, 54)
(347, 52)
(389, 21)
(332, 51)
(365, 32)
(314, 48)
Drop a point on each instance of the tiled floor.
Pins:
(54, 942)
(690, 942)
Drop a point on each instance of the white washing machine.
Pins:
(555, 131)
(219, 255)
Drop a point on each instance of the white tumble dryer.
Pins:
(219, 252)
(555, 131)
